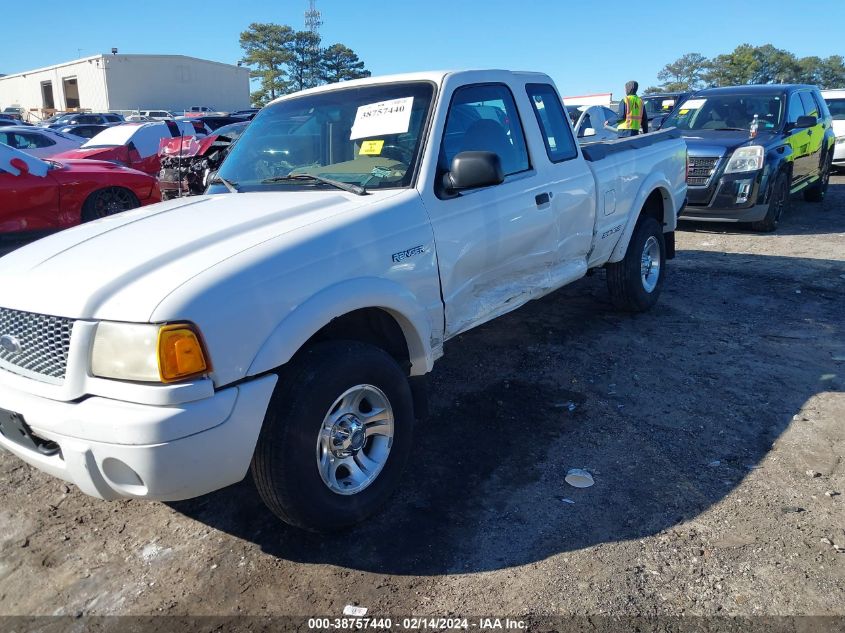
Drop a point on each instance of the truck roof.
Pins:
(435, 76)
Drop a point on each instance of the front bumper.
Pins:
(732, 198)
(839, 154)
(113, 449)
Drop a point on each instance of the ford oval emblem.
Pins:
(10, 344)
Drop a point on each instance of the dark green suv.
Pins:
(750, 148)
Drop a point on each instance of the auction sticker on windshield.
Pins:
(382, 118)
(371, 148)
(692, 104)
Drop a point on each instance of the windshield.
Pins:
(368, 136)
(574, 113)
(837, 108)
(659, 105)
(728, 112)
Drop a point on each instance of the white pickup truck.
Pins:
(285, 324)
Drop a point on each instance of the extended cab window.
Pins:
(484, 118)
(551, 118)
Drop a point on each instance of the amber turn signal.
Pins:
(180, 353)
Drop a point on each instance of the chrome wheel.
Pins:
(650, 264)
(355, 440)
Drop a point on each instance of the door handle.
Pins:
(542, 199)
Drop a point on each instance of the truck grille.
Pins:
(34, 345)
(700, 170)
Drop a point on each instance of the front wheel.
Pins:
(636, 281)
(106, 202)
(336, 436)
(778, 204)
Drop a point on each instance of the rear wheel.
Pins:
(778, 204)
(817, 191)
(635, 282)
(106, 202)
(336, 436)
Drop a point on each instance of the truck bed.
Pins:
(601, 149)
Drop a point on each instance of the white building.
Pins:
(127, 82)
(602, 99)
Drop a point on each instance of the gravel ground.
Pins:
(713, 427)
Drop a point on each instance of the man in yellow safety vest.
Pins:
(632, 117)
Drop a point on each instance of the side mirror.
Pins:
(20, 165)
(472, 170)
(806, 121)
(589, 132)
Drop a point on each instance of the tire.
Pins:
(106, 202)
(632, 287)
(817, 191)
(299, 479)
(778, 205)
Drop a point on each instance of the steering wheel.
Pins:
(397, 153)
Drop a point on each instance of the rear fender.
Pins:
(312, 315)
(671, 205)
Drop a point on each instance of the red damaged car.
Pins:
(45, 195)
(132, 144)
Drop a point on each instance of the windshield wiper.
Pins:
(231, 186)
(346, 186)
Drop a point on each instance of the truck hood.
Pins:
(723, 140)
(121, 267)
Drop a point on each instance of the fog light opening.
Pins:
(122, 478)
(743, 191)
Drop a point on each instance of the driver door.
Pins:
(495, 245)
(799, 139)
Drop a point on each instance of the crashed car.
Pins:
(134, 145)
(38, 196)
(186, 162)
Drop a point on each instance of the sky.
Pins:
(587, 46)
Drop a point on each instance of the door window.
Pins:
(36, 140)
(551, 118)
(484, 118)
(810, 107)
(796, 108)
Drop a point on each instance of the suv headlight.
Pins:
(147, 352)
(745, 159)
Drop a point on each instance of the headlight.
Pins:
(147, 353)
(745, 159)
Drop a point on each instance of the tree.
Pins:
(735, 68)
(652, 90)
(810, 70)
(266, 52)
(340, 63)
(775, 65)
(832, 72)
(685, 73)
(304, 61)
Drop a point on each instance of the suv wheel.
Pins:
(778, 204)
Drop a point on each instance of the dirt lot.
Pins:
(714, 427)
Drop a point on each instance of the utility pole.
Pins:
(313, 18)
